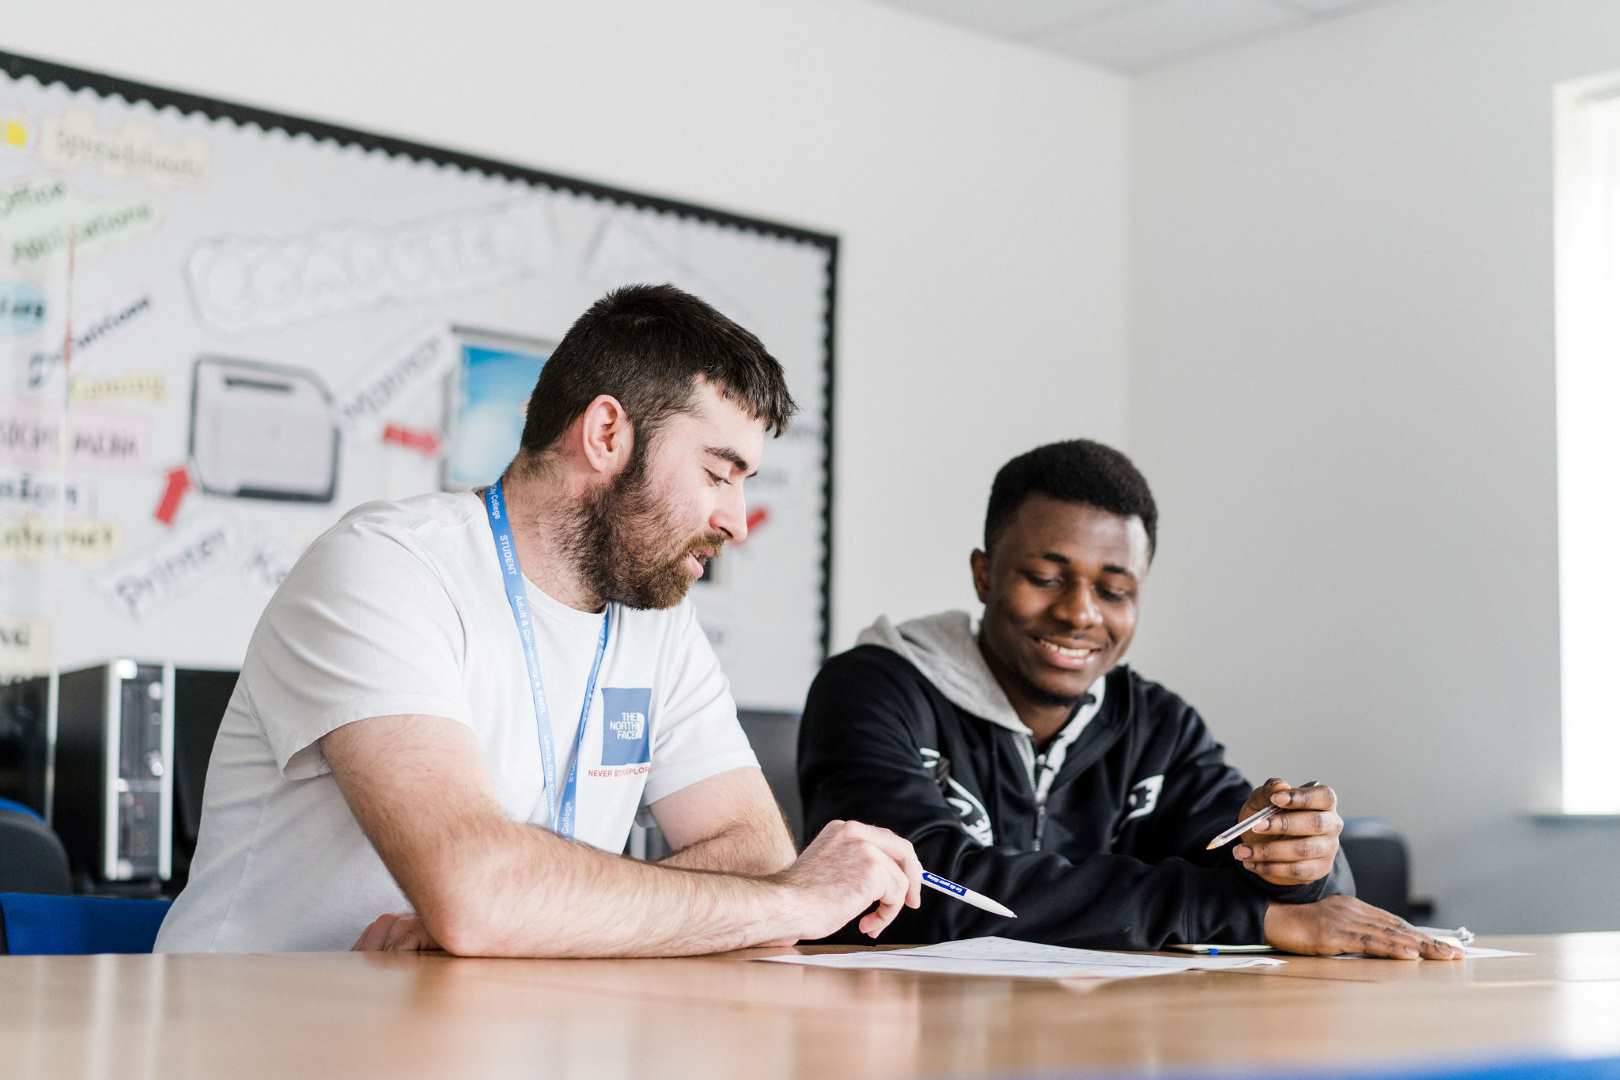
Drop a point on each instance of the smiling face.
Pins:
(644, 537)
(1061, 589)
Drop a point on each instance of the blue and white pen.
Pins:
(965, 894)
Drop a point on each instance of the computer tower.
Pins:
(26, 712)
(113, 801)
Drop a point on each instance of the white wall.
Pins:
(1342, 391)
(978, 189)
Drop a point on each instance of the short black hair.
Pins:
(646, 345)
(1076, 471)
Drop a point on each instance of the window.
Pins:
(1588, 290)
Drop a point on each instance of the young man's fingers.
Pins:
(1432, 948)
(1260, 797)
(1402, 940)
(1290, 873)
(1283, 851)
(1439, 950)
(1312, 798)
(1398, 947)
(1371, 940)
(1299, 823)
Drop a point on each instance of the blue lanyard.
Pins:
(562, 816)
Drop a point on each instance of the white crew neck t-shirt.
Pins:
(401, 608)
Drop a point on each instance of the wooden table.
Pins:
(315, 1015)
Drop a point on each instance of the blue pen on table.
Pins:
(965, 894)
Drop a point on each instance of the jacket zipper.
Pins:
(1041, 776)
(1043, 787)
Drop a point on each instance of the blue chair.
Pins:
(35, 925)
(12, 806)
(32, 858)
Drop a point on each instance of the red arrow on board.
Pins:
(174, 490)
(425, 441)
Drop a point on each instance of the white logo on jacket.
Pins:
(1144, 797)
(974, 818)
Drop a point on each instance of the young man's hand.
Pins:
(1297, 845)
(1343, 924)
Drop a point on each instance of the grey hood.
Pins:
(945, 648)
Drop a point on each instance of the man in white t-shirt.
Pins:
(452, 710)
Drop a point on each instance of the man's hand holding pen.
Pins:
(1298, 842)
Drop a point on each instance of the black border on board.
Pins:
(48, 72)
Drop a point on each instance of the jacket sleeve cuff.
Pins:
(1339, 882)
(1231, 913)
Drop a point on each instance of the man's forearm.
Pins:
(754, 847)
(523, 891)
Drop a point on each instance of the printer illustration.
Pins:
(262, 431)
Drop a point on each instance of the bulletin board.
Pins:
(222, 328)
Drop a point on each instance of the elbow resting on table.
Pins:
(460, 924)
(457, 900)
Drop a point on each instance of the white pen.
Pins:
(965, 894)
(1251, 821)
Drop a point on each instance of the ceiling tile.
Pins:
(1323, 7)
(1015, 17)
(1140, 36)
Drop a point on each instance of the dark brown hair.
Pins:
(646, 345)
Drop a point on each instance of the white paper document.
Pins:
(1025, 960)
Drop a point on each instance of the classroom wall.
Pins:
(978, 188)
(1342, 391)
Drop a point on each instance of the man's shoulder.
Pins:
(432, 527)
(877, 679)
(420, 518)
(385, 550)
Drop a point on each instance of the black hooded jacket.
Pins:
(1114, 859)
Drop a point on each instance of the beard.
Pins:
(622, 541)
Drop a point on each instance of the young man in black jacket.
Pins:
(1024, 761)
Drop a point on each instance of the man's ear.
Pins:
(979, 563)
(606, 435)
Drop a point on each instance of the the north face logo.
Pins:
(629, 725)
(624, 726)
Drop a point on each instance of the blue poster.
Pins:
(494, 388)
